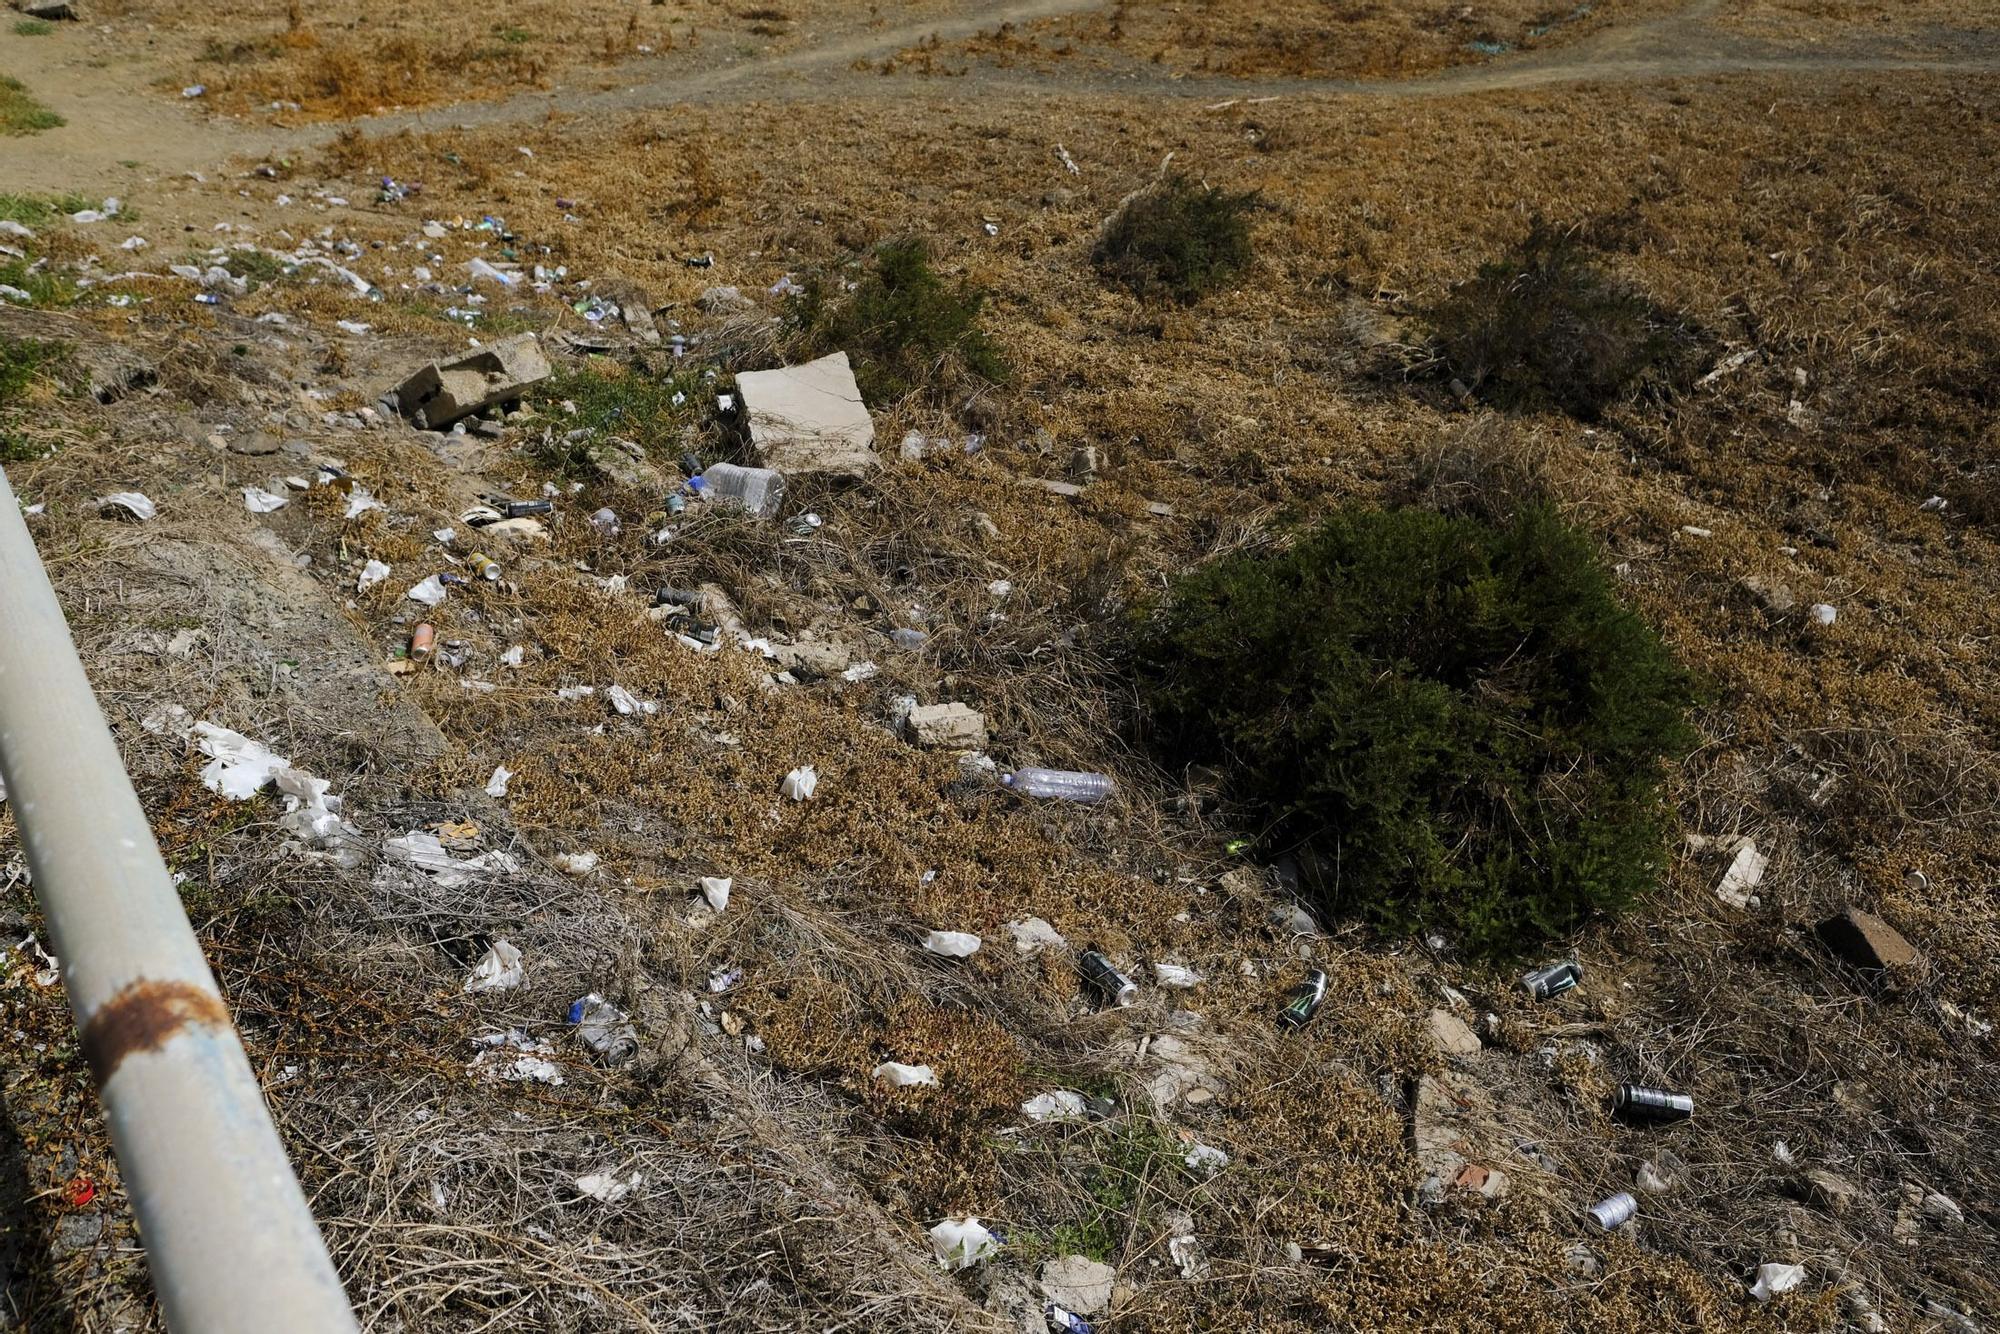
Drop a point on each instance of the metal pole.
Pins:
(229, 1238)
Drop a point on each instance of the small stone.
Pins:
(947, 727)
(1833, 1193)
(1582, 1262)
(1078, 1283)
(1199, 1097)
(1866, 941)
(256, 444)
(1774, 595)
(723, 301)
(1453, 1036)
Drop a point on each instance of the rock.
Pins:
(723, 301)
(445, 391)
(1175, 1070)
(1013, 1298)
(1582, 1262)
(1490, 1182)
(1833, 1193)
(947, 727)
(77, 1232)
(1745, 873)
(1456, 1131)
(809, 419)
(46, 9)
(635, 308)
(814, 657)
(1866, 941)
(1454, 1037)
(1078, 1284)
(624, 462)
(255, 445)
(1774, 595)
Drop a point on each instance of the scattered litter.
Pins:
(1305, 1000)
(897, 1075)
(238, 767)
(1638, 1103)
(1206, 1158)
(1055, 1105)
(1608, 1215)
(800, 783)
(132, 502)
(1068, 162)
(1104, 977)
(496, 786)
(860, 671)
(722, 979)
(760, 491)
(576, 863)
(531, 1064)
(359, 502)
(715, 890)
(479, 268)
(1187, 1254)
(1743, 875)
(952, 944)
(1823, 613)
(430, 592)
(1065, 1322)
(1032, 934)
(1775, 1279)
(607, 1189)
(628, 704)
(192, 90)
(1781, 1153)
(426, 852)
(259, 501)
(373, 573)
(1061, 784)
(1174, 977)
(961, 1243)
(604, 1028)
(498, 970)
(1547, 983)
(571, 694)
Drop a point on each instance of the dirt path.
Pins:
(122, 131)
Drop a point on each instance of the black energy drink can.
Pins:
(1305, 1000)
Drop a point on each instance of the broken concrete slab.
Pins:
(1866, 941)
(1078, 1283)
(809, 419)
(1836, 1194)
(47, 9)
(444, 391)
(947, 727)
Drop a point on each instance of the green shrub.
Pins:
(613, 401)
(1544, 328)
(907, 329)
(1179, 239)
(20, 113)
(1453, 723)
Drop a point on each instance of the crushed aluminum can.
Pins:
(484, 566)
(1546, 983)
(677, 504)
(1305, 1000)
(423, 639)
(604, 1028)
(521, 509)
(1608, 1215)
(1100, 973)
(1639, 1103)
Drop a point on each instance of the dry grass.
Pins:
(794, 1182)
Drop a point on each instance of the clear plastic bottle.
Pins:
(759, 490)
(1061, 784)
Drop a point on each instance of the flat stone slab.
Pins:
(809, 419)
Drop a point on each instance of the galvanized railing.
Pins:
(229, 1238)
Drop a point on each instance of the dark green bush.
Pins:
(1453, 723)
(1545, 328)
(1180, 240)
(906, 328)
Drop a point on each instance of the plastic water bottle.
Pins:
(1062, 784)
(758, 490)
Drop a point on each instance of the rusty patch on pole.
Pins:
(143, 1016)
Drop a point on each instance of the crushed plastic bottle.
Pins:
(1061, 784)
(759, 490)
(604, 1029)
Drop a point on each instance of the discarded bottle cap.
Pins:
(519, 509)
(1649, 1104)
(1305, 1000)
(1554, 980)
(1100, 973)
(422, 640)
(1607, 1215)
(484, 566)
